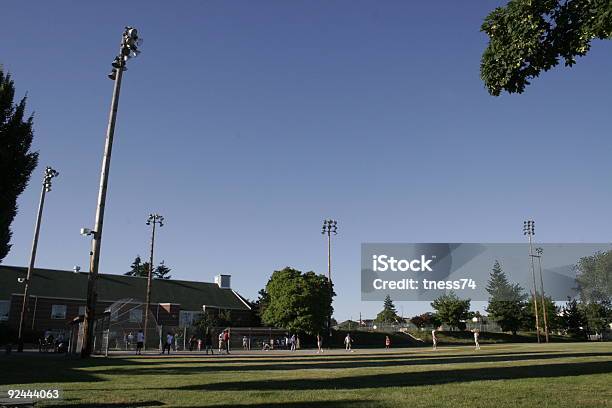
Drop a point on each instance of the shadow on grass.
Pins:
(121, 404)
(313, 358)
(408, 379)
(328, 365)
(303, 404)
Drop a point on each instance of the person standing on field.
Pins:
(348, 342)
(476, 336)
(387, 342)
(319, 344)
(208, 341)
(226, 340)
(169, 341)
(434, 339)
(139, 341)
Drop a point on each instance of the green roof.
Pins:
(73, 285)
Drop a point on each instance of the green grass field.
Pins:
(509, 375)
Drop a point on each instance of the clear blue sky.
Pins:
(246, 123)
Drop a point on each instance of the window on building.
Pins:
(82, 310)
(187, 318)
(136, 315)
(4, 309)
(58, 311)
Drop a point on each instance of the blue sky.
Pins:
(247, 123)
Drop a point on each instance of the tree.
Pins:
(206, 323)
(527, 37)
(597, 316)
(258, 306)
(299, 302)
(16, 160)
(162, 271)
(594, 277)
(389, 313)
(552, 311)
(506, 300)
(139, 268)
(426, 320)
(452, 310)
(573, 320)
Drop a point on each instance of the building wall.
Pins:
(39, 317)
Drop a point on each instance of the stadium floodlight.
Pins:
(129, 43)
(330, 227)
(49, 175)
(86, 231)
(154, 219)
(529, 231)
(539, 252)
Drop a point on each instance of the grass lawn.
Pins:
(509, 375)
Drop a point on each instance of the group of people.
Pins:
(284, 343)
(48, 343)
(194, 343)
(139, 341)
(288, 342)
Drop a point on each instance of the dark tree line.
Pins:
(139, 268)
(16, 160)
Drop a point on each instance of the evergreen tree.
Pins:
(552, 311)
(16, 160)
(573, 318)
(506, 300)
(162, 271)
(389, 313)
(138, 268)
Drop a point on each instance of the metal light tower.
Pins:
(539, 252)
(153, 220)
(329, 227)
(46, 187)
(529, 230)
(127, 49)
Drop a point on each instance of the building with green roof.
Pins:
(58, 296)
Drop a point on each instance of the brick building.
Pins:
(56, 297)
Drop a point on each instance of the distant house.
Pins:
(56, 297)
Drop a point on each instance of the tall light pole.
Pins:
(153, 220)
(539, 252)
(330, 227)
(529, 230)
(46, 187)
(128, 48)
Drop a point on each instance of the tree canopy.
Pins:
(299, 302)
(139, 268)
(506, 300)
(425, 320)
(527, 37)
(389, 313)
(594, 277)
(452, 310)
(16, 160)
